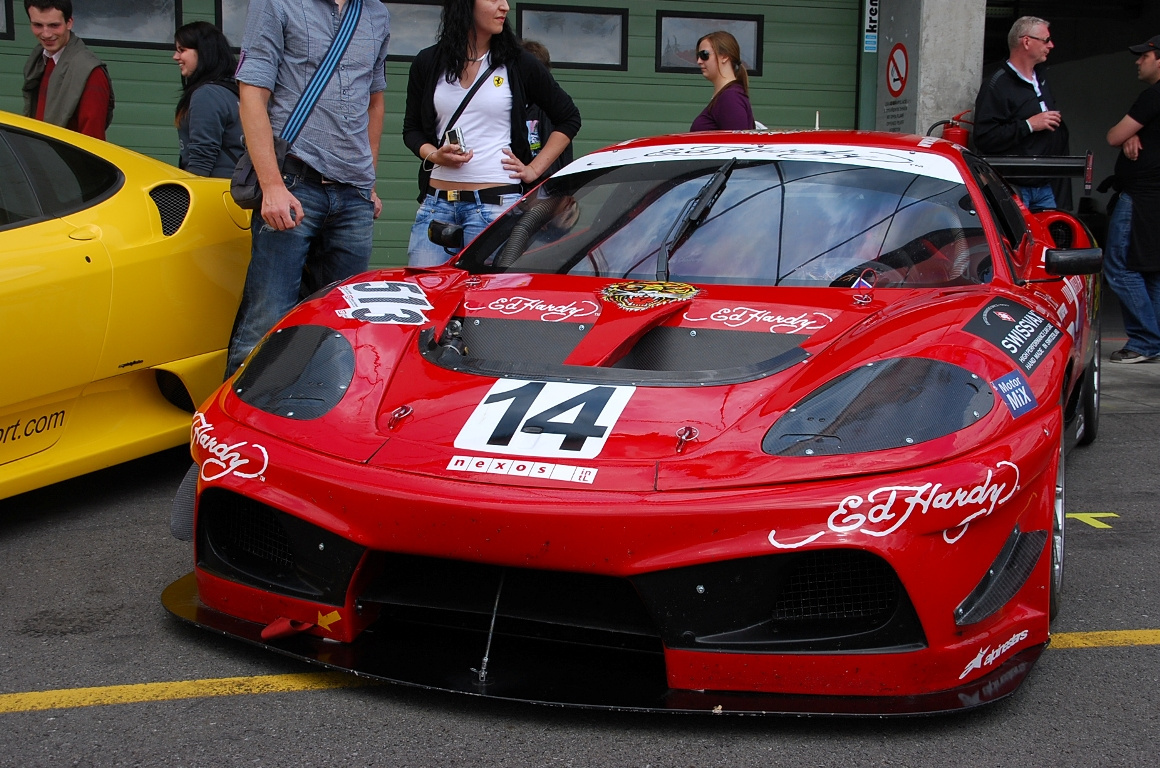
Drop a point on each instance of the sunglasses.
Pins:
(703, 55)
(1044, 40)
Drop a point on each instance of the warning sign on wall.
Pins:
(898, 33)
(897, 68)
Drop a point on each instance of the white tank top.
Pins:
(486, 126)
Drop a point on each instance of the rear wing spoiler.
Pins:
(1045, 167)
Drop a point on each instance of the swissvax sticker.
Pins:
(1024, 336)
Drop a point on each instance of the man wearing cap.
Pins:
(1132, 254)
(1015, 112)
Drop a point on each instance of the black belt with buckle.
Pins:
(489, 196)
(296, 166)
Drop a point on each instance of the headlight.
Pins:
(299, 372)
(887, 404)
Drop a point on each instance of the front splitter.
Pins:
(566, 674)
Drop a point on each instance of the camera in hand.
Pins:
(455, 136)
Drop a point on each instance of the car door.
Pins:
(55, 286)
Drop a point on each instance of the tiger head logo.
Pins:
(638, 296)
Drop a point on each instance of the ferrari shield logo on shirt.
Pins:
(384, 301)
(544, 419)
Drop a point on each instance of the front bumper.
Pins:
(567, 674)
(694, 562)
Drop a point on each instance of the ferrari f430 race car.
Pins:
(740, 422)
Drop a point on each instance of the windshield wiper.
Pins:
(692, 215)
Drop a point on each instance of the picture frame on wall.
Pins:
(414, 26)
(678, 33)
(127, 23)
(7, 28)
(577, 37)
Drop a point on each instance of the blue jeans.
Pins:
(332, 242)
(1138, 292)
(1037, 198)
(473, 216)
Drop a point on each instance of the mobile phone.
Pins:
(455, 136)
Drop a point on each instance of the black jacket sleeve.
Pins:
(419, 119)
(998, 125)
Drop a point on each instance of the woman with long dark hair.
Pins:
(473, 175)
(208, 128)
(719, 58)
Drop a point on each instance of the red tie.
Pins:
(42, 94)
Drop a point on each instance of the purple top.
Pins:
(728, 111)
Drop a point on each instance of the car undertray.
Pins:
(560, 673)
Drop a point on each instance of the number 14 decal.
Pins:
(550, 419)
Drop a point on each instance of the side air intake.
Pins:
(172, 201)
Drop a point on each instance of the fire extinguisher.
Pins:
(954, 130)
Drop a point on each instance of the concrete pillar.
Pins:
(952, 58)
(929, 61)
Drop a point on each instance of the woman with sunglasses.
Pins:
(209, 132)
(470, 175)
(719, 57)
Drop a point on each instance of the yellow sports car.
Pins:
(119, 279)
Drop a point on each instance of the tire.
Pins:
(1090, 402)
(1058, 530)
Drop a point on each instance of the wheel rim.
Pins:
(1059, 517)
(1096, 377)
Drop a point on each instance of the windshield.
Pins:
(769, 222)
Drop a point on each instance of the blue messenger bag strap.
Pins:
(322, 75)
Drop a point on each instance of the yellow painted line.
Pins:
(321, 681)
(1091, 518)
(1125, 637)
(187, 689)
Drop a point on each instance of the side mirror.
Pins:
(446, 235)
(1073, 261)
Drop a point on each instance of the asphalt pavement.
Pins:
(83, 564)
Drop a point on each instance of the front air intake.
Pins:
(172, 201)
(1003, 580)
(246, 541)
(816, 601)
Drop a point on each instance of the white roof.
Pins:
(906, 161)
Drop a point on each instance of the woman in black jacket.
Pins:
(479, 171)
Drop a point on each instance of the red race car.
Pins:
(738, 422)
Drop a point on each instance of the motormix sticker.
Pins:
(1024, 336)
(1016, 393)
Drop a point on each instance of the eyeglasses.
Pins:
(703, 55)
(1044, 40)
